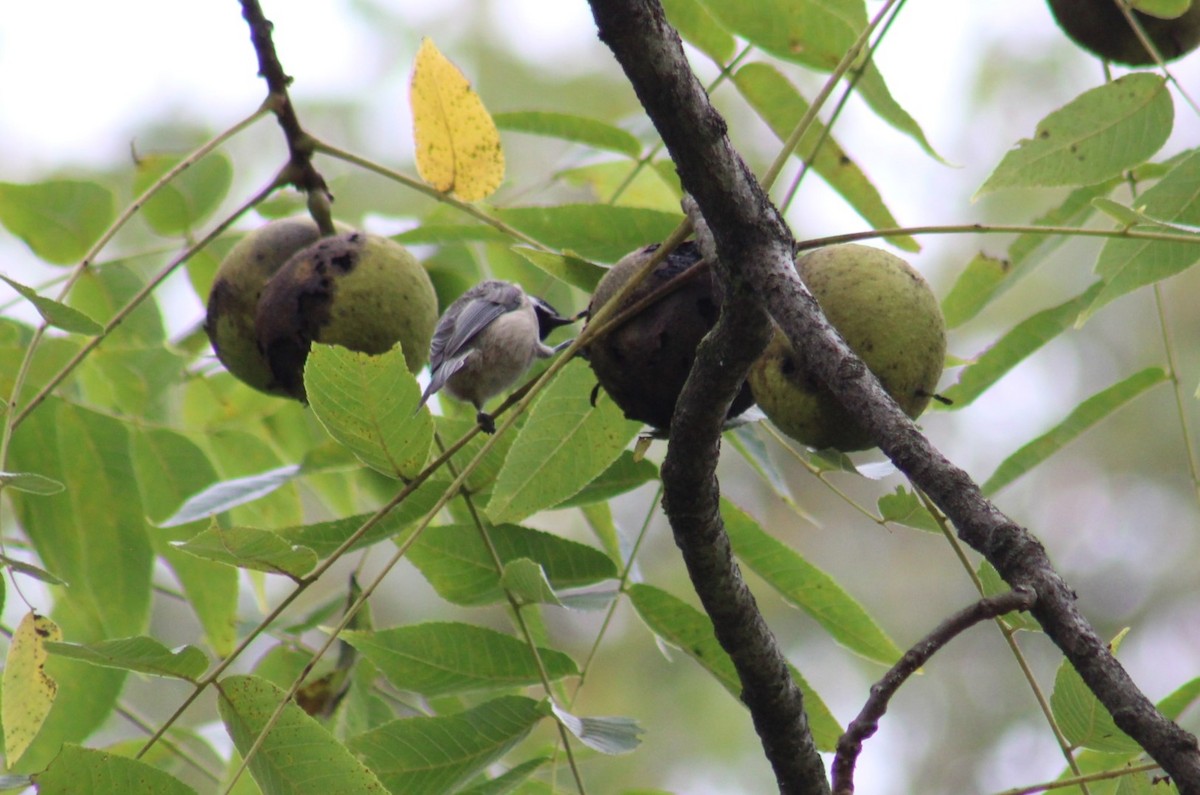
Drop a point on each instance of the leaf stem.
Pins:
(806, 121)
(827, 132)
(12, 420)
(1169, 349)
(1132, 233)
(451, 491)
(626, 573)
(522, 626)
(1080, 781)
(136, 301)
(420, 187)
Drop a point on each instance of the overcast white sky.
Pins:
(77, 75)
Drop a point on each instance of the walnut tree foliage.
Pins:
(209, 589)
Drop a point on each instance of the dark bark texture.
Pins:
(755, 249)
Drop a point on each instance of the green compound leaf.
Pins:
(30, 570)
(250, 548)
(190, 197)
(1082, 718)
(974, 288)
(59, 219)
(577, 129)
(698, 27)
(461, 569)
(807, 587)
(325, 537)
(903, 507)
(509, 780)
(1163, 9)
(369, 404)
(568, 268)
(31, 483)
(142, 654)
(442, 658)
(1014, 346)
(686, 628)
(565, 444)
(67, 318)
(1126, 265)
(441, 753)
(986, 278)
(298, 756)
(86, 771)
(623, 475)
(599, 232)
(1085, 415)
(1098, 135)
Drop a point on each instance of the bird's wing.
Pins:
(469, 315)
(478, 311)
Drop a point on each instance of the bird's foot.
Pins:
(486, 423)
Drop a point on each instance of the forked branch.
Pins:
(755, 247)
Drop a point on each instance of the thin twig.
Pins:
(810, 116)
(136, 301)
(300, 171)
(515, 607)
(867, 722)
(1081, 781)
(450, 492)
(1130, 233)
(309, 579)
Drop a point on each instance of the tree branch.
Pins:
(867, 722)
(749, 228)
(300, 170)
(755, 245)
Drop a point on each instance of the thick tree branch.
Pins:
(867, 722)
(749, 228)
(752, 240)
(692, 502)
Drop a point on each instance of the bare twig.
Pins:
(1081, 781)
(867, 722)
(300, 170)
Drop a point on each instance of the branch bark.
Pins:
(756, 247)
(867, 722)
(299, 171)
(748, 228)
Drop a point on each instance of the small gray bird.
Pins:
(486, 340)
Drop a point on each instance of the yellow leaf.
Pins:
(458, 146)
(28, 691)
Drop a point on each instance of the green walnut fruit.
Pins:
(1099, 27)
(360, 291)
(886, 312)
(643, 363)
(235, 292)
